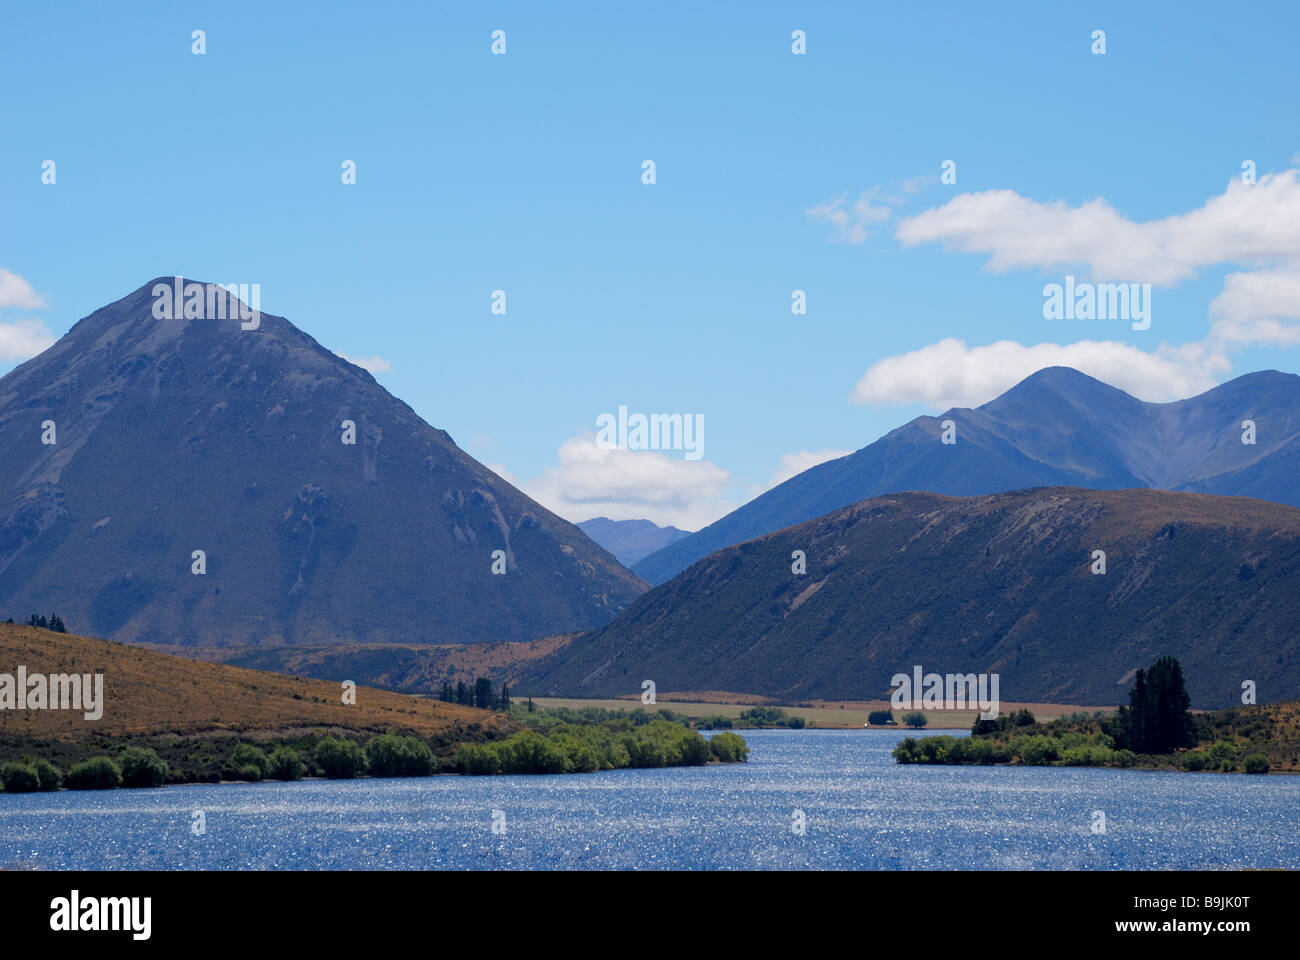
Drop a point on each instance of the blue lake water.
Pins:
(862, 811)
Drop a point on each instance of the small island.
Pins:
(1156, 731)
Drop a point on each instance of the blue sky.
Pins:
(774, 172)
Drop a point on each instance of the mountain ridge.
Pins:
(996, 583)
(1057, 427)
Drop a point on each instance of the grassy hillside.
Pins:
(994, 584)
(163, 700)
(406, 668)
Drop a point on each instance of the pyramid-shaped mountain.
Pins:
(1058, 427)
(137, 441)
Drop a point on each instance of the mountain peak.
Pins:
(1056, 427)
(323, 508)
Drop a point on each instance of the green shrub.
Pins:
(1223, 750)
(1038, 750)
(769, 717)
(390, 755)
(716, 722)
(97, 773)
(906, 751)
(729, 747)
(251, 762)
(51, 777)
(878, 718)
(20, 778)
(340, 759)
(1193, 761)
(286, 764)
(579, 757)
(916, 719)
(529, 752)
(142, 767)
(478, 759)
(1257, 763)
(976, 750)
(1087, 755)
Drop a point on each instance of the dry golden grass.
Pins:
(146, 692)
(822, 713)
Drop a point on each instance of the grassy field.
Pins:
(825, 714)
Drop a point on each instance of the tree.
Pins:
(286, 764)
(878, 718)
(142, 767)
(483, 693)
(97, 773)
(1257, 763)
(915, 719)
(51, 777)
(462, 693)
(531, 708)
(729, 747)
(391, 755)
(20, 778)
(250, 762)
(1157, 719)
(341, 759)
(505, 697)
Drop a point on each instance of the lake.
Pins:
(861, 811)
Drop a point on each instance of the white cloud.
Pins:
(796, 463)
(23, 339)
(371, 364)
(593, 481)
(951, 374)
(17, 292)
(1256, 224)
(502, 471)
(1254, 308)
(855, 222)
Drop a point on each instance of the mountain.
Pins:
(630, 540)
(1057, 427)
(181, 435)
(993, 584)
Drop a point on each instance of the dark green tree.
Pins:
(142, 767)
(1157, 719)
(483, 693)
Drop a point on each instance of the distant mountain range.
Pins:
(1057, 427)
(630, 540)
(172, 436)
(999, 584)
